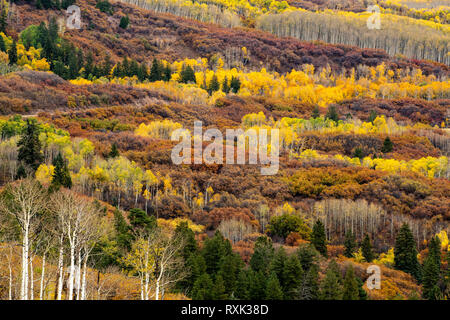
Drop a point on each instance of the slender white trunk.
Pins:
(31, 279)
(41, 291)
(60, 268)
(83, 286)
(147, 281)
(10, 281)
(24, 284)
(78, 275)
(71, 271)
(142, 287)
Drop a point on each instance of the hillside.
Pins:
(109, 190)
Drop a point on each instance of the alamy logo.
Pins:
(374, 280)
(238, 144)
(374, 20)
(74, 17)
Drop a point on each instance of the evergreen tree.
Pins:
(307, 254)
(235, 84)
(123, 236)
(155, 71)
(432, 270)
(213, 85)
(331, 288)
(366, 248)
(114, 152)
(405, 252)
(316, 112)
(387, 145)
(30, 146)
(309, 285)
(350, 289)
(202, 289)
(2, 45)
(242, 286)
(167, 74)
(12, 53)
(61, 175)
(318, 238)
(292, 276)
(358, 153)
(257, 285)
(214, 249)
(225, 86)
(273, 288)
(332, 114)
(140, 222)
(89, 65)
(372, 116)
(350, 244)
(3, 21)
(187, 74)
(230, 267)
(278, 263)
(218, 291)
(262, 254)
(124, 22)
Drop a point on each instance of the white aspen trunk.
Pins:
(142, 287)
(24, 284)
(147, 281)
(10, 281)
(83, 285)
(41, 291)
(60, 269)
(31, 279)
(78, 275)
(71, 271)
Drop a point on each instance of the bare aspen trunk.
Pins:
(71, 271)
(31, 279)
(78, 275)
(60, 269)
(41, 291)
(24, 284)
(83, 285)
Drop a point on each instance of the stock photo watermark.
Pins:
(374, 20)
(238, 143)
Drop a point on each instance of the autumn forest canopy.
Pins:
(92, 206)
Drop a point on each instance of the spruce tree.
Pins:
(124, 22)
(242, 286)
(114, 152)
(235, 84)
(309, 285)
(349, 244)
(257, 285)
(316, 112)
(350, 287)
(366, 248)
(213, 85)
(387, 145)
(30, 146)
(318, 238)
(292, 276)
(332, 114)
(273, 288)
(187, 74)
(432, 270)
(278, 263)
(202, 289)
(3, 21)
(331, 288)
(61, 175)
(12, 53)
(405, 252)
(218, 291)
(2, 45)
(225, 86)
(167, 74)
(262, 254)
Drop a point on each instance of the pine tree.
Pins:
(387, 145)
(213, 85)
(332, 114)
(124, 22)
(331, 288)
(307, 254)
(358, 153)
(318, 238)
(431, 270)
(405, 252)
(235, 84)
(30, 146)
(361, 292)
(242, 286)
(257, 285)
(350, 244)
(366, 248)
(167, 74)
(309, 285)
(3, 21)
(316, 112)
(225, 86)
(262, 254)
(218, 291)
(114, 153)
(187, 74)
(202, 289)
(273, 288)
(12, 53)
(155, 71)
(292, 276)
(350, 289)
(2, 45)
(61, 175)
(372, 116)
(278, 263)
